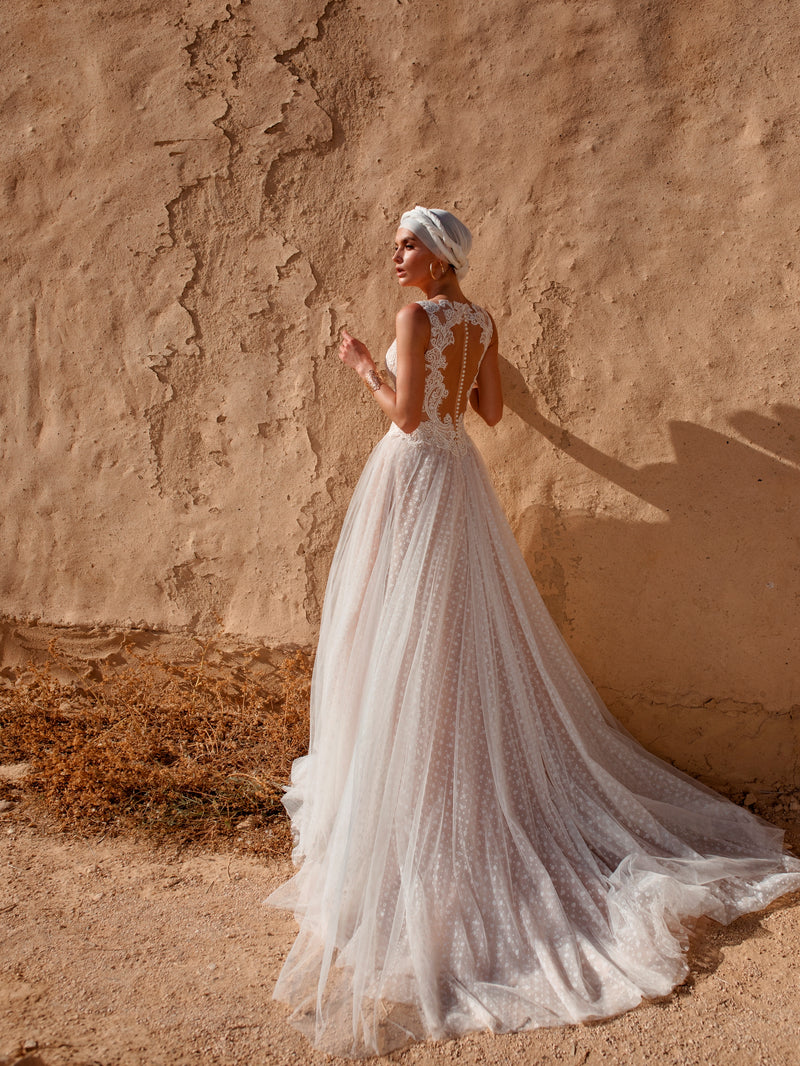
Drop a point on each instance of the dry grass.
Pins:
(190, 753)
(187, 753)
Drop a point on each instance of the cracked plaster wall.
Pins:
(198, 196)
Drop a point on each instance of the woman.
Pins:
(482, 845)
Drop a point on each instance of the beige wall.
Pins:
(198, 196)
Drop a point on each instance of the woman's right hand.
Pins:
(355, 354)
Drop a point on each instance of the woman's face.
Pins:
(412, 260)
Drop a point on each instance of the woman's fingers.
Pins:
(350, 350)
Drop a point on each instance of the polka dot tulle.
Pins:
(482, 846)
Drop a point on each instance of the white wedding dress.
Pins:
(482, 845)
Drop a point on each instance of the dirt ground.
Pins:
(115, 953)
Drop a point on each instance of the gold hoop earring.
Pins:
(440, 276)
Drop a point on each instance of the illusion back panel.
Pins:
(460, 335)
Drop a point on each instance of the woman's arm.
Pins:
(403, 406)
(487, 396)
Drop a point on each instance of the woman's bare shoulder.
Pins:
(413, 325)
(411, 315)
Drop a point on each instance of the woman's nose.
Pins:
(396, 257)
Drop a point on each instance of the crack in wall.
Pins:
(334, 97)
(317, 531)
(675, 728)
(219, 226)
(329, 64)
(182, 369)
(201, 219)
(287, 56)
(694, 702)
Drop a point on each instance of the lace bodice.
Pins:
(451, 369)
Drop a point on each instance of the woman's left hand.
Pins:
(355, 354)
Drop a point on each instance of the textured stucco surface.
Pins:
(197, 196)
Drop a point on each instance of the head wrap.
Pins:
(443, 234)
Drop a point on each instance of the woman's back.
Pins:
(460, 336)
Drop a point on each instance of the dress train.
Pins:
(483, 846)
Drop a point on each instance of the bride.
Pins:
(482, 845)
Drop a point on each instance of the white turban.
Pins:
(443, 234)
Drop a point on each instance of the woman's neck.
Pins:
(446, 287)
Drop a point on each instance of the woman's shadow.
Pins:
(696, 606)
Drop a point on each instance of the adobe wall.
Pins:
(198, 197)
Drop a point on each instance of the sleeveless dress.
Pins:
(482, 845)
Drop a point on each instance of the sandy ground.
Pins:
(115, 953)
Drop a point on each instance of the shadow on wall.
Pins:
(688, 620)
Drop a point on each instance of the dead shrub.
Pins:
(192, 753)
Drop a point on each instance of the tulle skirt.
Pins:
(482, 846)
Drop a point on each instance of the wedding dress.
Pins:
(482, 845)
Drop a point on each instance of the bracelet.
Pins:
(372, 379)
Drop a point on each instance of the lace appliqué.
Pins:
(435, 431)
